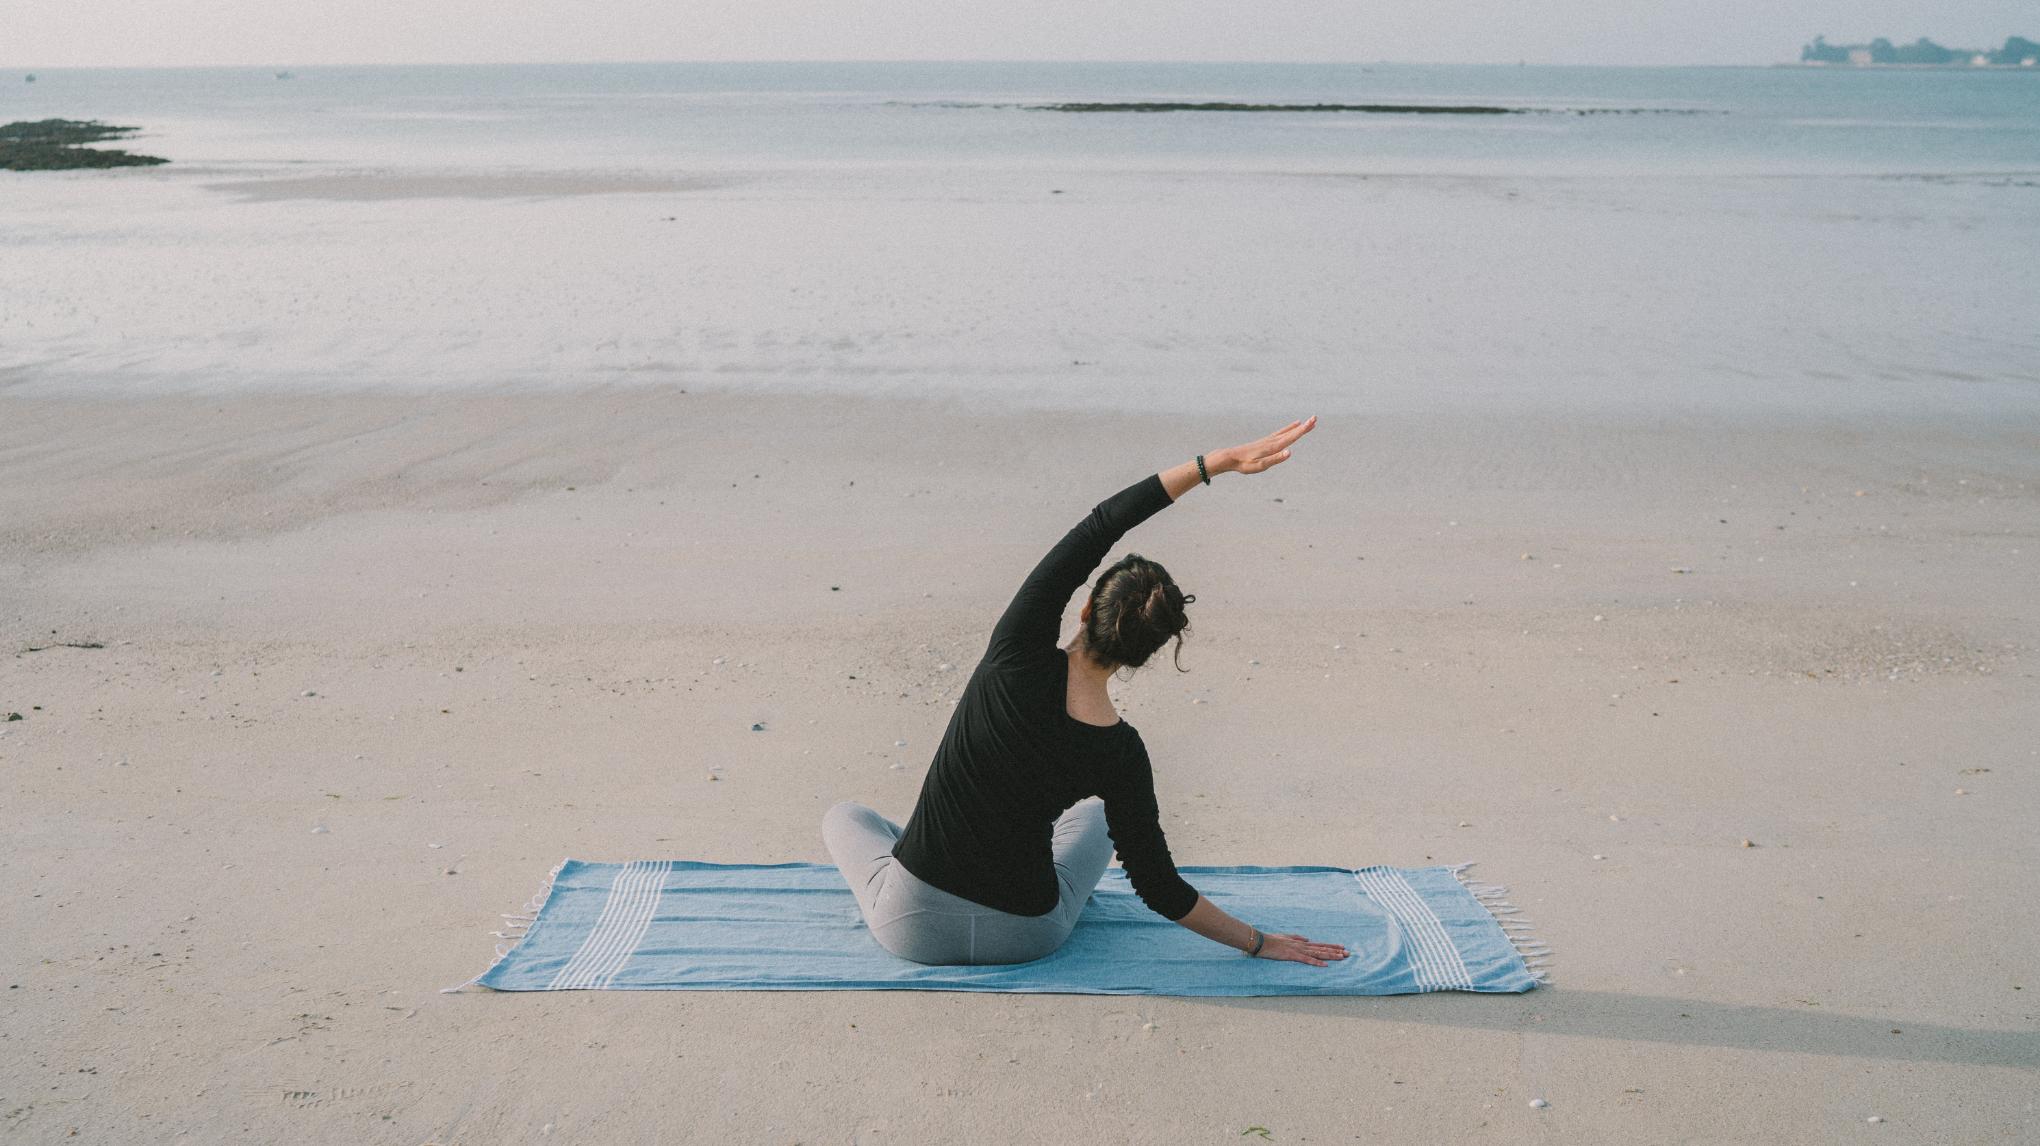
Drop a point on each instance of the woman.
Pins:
(1037, 778)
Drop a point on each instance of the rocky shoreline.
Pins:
(58, 145)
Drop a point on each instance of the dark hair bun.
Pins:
(1135, 609)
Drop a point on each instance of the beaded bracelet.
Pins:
(1200, 470)
(1258, 940)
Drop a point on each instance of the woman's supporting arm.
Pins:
(1209, 920)
(1133, 820)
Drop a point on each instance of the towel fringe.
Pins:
(532, 907)
(1534, 952)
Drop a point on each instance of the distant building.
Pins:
(2017, 52)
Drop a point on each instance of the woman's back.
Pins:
(1013, 758)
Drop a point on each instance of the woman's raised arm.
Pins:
(1251, 458)
(1033, 618)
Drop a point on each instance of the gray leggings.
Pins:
(923, 923)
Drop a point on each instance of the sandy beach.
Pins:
(468, 636)
(376, 532)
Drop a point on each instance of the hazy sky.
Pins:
(57, 33)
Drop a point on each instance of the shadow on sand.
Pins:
(1690, 1022)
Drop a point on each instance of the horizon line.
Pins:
(270, 66)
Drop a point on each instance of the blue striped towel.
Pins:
(683, 925)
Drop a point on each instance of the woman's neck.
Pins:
(1082, 667)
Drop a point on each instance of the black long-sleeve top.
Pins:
(1013, 758)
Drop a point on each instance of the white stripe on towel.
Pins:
(1424, 955)
(633, 918)
(1434, 959)
(631, 926)
(626, 915)
(644, 924)
(602, 935)
(1435, 962)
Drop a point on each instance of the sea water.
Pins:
(1788, 238)
(1770, 120)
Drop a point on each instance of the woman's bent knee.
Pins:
(849, 817)
(844, 809)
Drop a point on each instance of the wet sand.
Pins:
(378, 186)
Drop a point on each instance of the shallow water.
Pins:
(1733, 119)
(1773, 240)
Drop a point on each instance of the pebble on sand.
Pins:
(1874, 1118)
(757, 728)
(1749, 843)
(1538, 1103)
(308, 692)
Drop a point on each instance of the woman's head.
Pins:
(1135, 608)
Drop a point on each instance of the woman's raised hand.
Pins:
(1258, 455)
(1300, 950)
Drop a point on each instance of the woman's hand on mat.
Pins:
(1300, 950)
(1258, 455)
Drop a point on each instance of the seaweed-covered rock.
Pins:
(58, 145)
